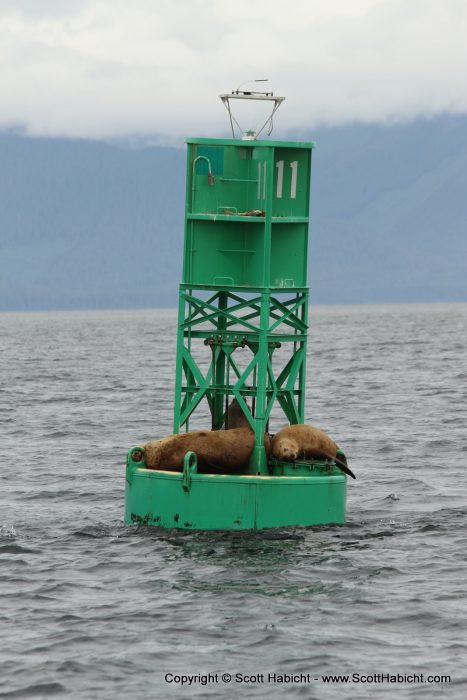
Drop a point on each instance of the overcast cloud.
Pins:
(111, 68)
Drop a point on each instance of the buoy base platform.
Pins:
(294, 494)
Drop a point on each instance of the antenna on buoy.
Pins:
(253, 95)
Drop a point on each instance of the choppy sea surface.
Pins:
(93, 609)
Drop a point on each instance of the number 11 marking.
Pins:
(280, 179)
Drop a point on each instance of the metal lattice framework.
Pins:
(226, 321)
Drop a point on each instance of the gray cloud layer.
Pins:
(110, 68)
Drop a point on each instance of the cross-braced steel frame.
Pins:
(261, 320)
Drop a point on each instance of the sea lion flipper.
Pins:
(345, 469)
(341, 462)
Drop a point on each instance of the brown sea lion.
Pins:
(305, 441)
(235, 417)
(216, 450)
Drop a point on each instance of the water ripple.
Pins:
(93, 609)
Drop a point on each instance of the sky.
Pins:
(106, 69)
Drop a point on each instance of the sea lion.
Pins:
(235, 418)
(216, 450)
(305, 441)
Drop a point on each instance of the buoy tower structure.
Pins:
(244, 288)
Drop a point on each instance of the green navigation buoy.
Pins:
(244, 286)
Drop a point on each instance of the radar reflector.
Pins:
(251, 134)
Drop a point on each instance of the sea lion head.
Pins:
(288, 450)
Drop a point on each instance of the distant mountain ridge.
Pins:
(87, 224)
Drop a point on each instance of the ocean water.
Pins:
(93, 609)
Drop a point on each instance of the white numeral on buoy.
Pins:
(293, 184)
(262, 179)
(262, 171)
(280, 178)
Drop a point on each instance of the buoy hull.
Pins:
(191, 501)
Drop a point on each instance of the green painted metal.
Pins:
(227, 180)
(244, 281)
(244, 286)
(192, 501)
